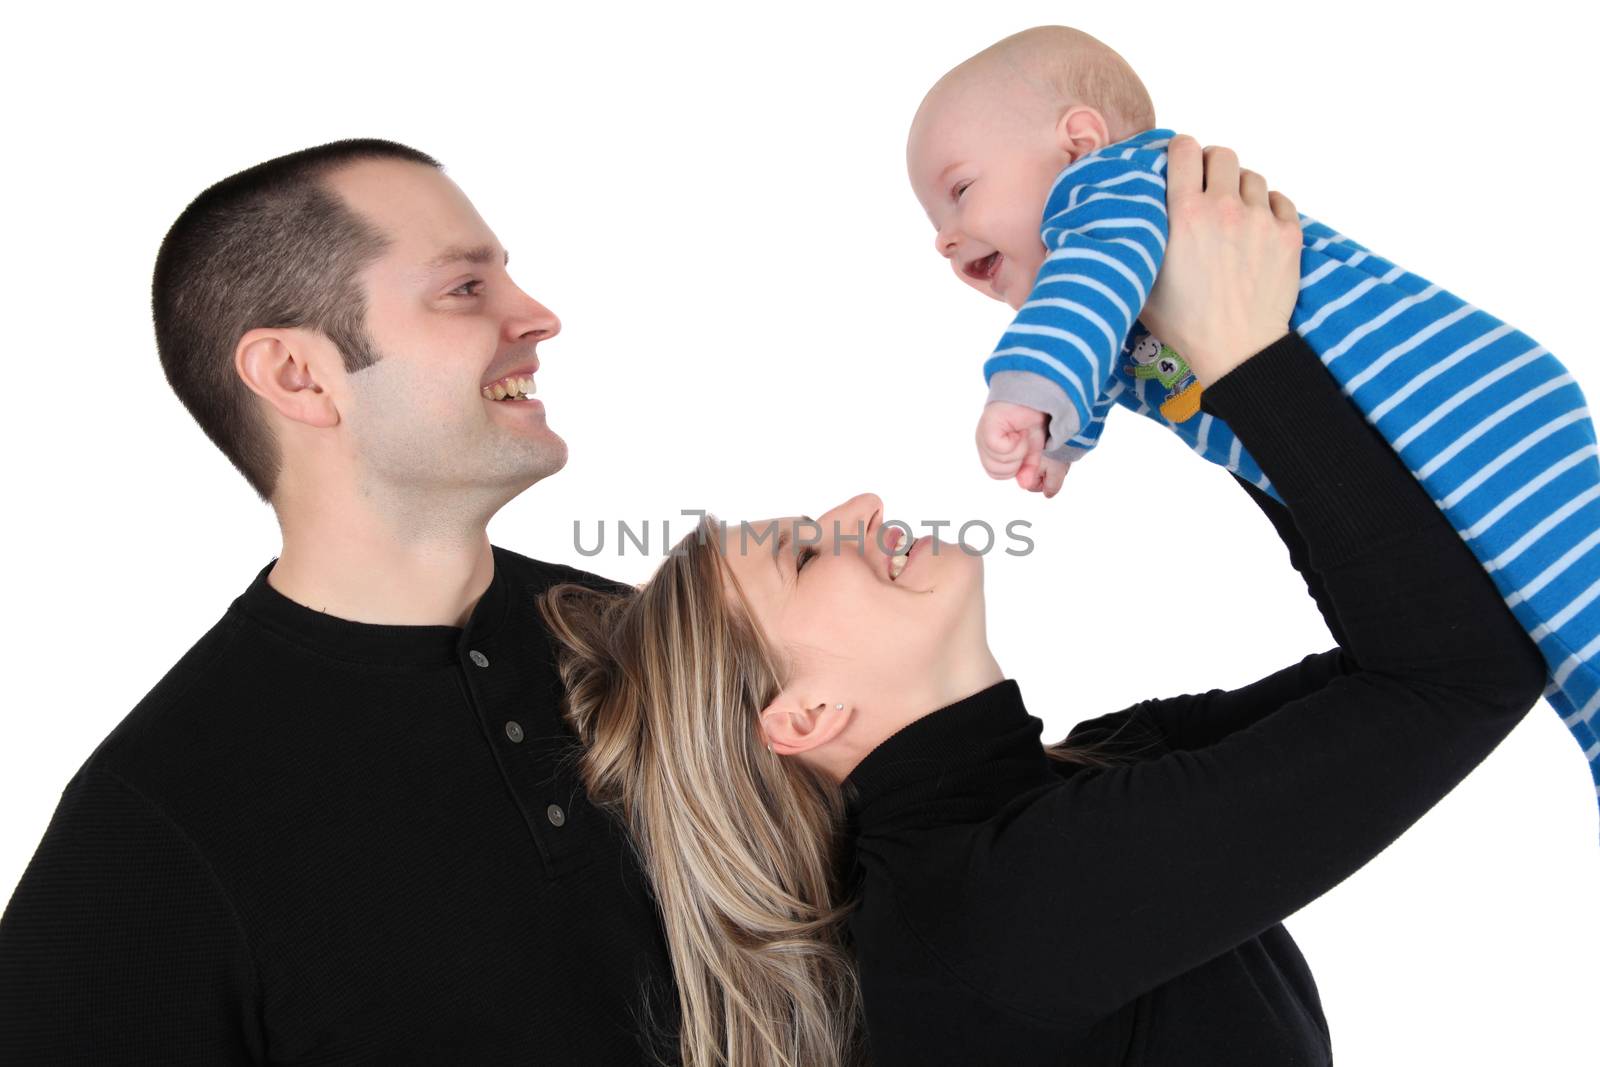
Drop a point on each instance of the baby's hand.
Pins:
(1011, 440)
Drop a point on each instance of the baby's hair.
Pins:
(1068, 66)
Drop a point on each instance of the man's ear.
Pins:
(793, 725)
(275, 364)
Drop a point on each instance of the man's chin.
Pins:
(546, 462)
(511, 470)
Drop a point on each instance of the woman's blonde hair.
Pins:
(664, 686)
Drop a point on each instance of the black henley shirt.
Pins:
(332, 842)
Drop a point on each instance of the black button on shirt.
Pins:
(309, 843)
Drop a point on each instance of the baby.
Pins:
(1041, 167)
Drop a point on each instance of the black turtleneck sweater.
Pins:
(1016, 910)
(332, 842)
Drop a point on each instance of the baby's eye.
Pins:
(805, 556)
(463, 285)
(958, 190)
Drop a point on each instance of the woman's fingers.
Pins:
(1185, 167)
(1215, 170)
(1222, 171)
(1282, 207)
(1230, 277)
(1252, 188)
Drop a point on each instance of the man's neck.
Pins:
(362, 568)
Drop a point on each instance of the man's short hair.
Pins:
(272, 246)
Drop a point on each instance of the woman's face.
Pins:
(889, 648)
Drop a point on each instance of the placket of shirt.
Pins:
(515, 692)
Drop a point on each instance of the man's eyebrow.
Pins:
(480, 255)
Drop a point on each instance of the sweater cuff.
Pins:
(1343, 483)
(1041, 394)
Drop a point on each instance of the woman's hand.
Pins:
(1231, 275)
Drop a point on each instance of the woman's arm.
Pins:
(1093, 889)
(1194, 720)
(1155, 727)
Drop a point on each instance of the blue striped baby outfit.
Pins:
(1494, 426)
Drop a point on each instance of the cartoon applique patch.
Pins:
(1161, 363)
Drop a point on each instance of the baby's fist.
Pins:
(1008, 435)
(1043, 475)
(1011, 441)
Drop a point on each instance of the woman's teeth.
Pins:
(897, 563)
(509, 388)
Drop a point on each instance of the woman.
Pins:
(860, 849)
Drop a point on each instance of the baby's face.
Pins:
(982, 163)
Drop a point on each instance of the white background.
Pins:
(755, 322)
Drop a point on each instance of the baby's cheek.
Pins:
(1028, 267)
(1022, 223)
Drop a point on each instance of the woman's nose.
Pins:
(853, 517)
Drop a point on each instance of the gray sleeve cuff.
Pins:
(1066, 453)
(1041, 394)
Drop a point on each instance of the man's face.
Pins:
(447, 321)
(982, 163)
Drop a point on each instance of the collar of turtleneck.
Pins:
(966, 755)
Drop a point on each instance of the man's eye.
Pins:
(463, 285)
(805, 556)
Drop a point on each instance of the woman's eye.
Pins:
(457, 290)
(805, 556)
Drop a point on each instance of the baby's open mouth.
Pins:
(985, 268)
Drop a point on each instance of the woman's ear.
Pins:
(792, 725)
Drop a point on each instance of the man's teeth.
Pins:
(509, 387)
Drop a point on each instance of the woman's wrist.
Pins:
(1213, 363)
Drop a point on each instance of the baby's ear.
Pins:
(1080, 130)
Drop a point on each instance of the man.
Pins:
(345, 826)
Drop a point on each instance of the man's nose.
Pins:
(531, 318)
